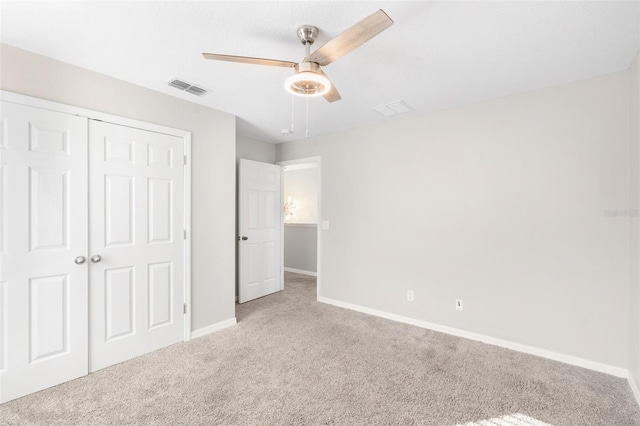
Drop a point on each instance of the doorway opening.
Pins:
(302, 216)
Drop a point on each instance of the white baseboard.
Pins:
(567, 359)
(634, 388)
(213, 328)
(301, 271)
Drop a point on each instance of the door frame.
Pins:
(318, 161)
(17, 98)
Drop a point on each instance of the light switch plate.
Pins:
(325, 224)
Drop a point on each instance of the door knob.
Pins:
(244, 238)
(96, 258)
(79, 260)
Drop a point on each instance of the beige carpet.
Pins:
(294, 361)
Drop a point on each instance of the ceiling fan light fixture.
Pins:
(307, 81)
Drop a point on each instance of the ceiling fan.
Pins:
(309, 79)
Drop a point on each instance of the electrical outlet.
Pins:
(459, 306)
(410, 295)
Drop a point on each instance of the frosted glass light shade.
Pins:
(307, 83)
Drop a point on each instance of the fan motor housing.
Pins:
(307, 67)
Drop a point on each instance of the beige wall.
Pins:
(301, 247)
(252, 149)
(213, 160)
(501, 204)
(634, 206)
(302, 186)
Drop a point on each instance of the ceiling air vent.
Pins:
(187, 87)
(394, 108)
(195, 90)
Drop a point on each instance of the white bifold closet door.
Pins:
(92, 246)
(43, 291)
(136, 194)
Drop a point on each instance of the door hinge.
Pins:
(184, 308)
(184, 234)
(184, 160)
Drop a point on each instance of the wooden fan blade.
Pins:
(354, 37)
(332, 95)
(249, 60)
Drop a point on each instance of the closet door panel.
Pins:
(136, 227)
(43, 228)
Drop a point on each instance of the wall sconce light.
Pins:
(290, 208)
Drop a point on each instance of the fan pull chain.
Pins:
(292, 111)
(307, 117)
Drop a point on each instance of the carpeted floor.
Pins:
(294, 361)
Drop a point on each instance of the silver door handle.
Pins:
(96, 258)
(79, 260)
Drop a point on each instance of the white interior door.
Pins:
(136, 242)
(43, 229)
(260, 226)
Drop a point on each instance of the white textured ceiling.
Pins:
(437, 55)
